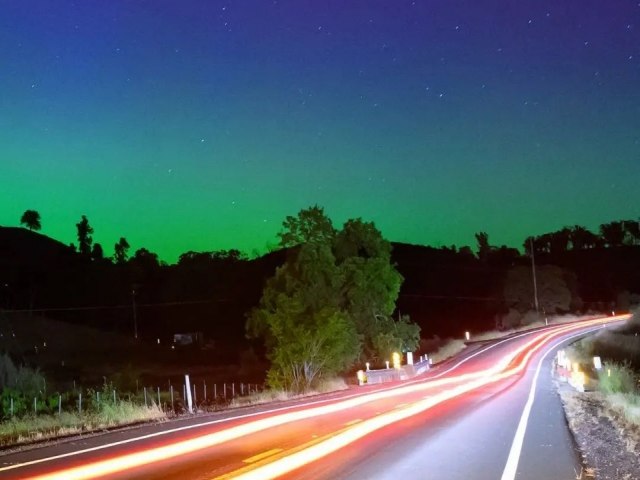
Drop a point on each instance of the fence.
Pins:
(171, 398)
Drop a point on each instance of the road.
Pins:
(491, 413)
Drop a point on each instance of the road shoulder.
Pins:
(609, 448)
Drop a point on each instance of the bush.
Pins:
(617, 378)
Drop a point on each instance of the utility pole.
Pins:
(533, 270)
(135, 316)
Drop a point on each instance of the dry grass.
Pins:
(271, 395)
(31, 428)
(449, 349)
(555, 320)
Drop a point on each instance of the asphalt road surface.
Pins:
(491, 413)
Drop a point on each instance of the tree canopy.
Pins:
(85, 240)
(330, 303)
(31, 220)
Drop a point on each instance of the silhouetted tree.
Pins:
(612, 233)
(310, 225)
(31, 220)
(632, 232)
(96, 252)
(581, 238)
(121, 251)
(84, 236)
(466, 251)
(145, 259)
(482, 239)
(559, 241)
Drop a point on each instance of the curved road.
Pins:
(491, 413)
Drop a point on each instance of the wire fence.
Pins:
(171, 398)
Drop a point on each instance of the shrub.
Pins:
(617, 378)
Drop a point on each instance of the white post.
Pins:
(409, 358)
(188, 390)
(387, 362)
(467, 336)
(597, 363)
(368, 366)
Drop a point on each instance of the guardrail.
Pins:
(391, 374)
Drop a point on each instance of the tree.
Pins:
(482, 239)
(612, 234)
(370, 288)
(310, 225)
(96, 252)
(84, 236)
(559, 241)
(331, 300)
(632, 232)
(31, 220)
(554, 294)
(121, 251)
(581, 238)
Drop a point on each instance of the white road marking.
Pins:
(249, 415)
(511, 466)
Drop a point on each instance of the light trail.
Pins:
(287, 464)
(471, 381)
(261, 413)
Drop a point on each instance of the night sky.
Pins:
(199, 125)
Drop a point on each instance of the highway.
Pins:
(491, 413)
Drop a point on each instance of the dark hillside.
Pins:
(445, 291)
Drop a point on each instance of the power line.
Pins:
(114, 307)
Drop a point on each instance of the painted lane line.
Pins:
(511, 466)
(262, 455)
(353, 422)
(291, 461)
(374, 396)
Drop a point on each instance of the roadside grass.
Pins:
(555, 320)
(272, 395)
(451, 348)
(618, 380)
(29, 428)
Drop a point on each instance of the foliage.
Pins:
(96, 252)
(331, 301)
(22, 379)
(554, 295)
(85, 239)
(309, 226)
(617, 378)
(20, 385)
(120, 251)
(31, 220)
(482, 239)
